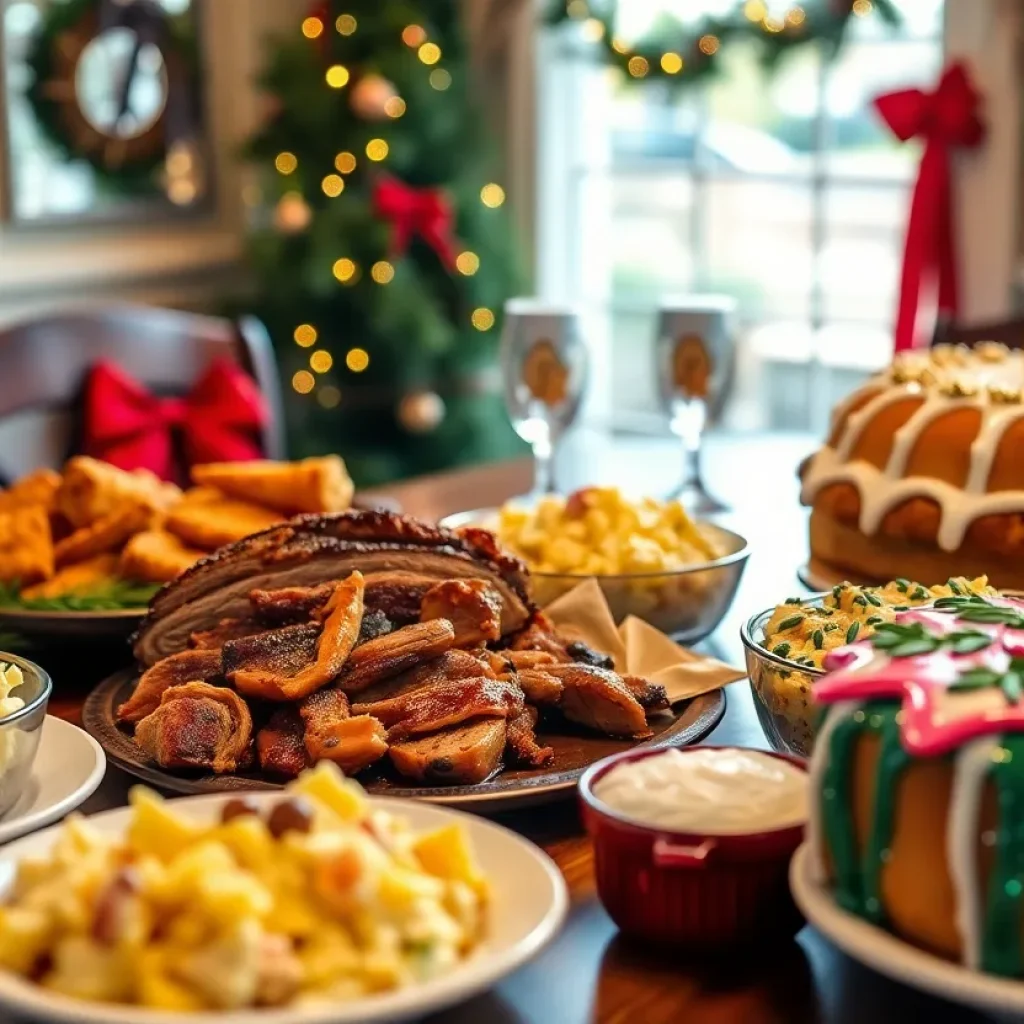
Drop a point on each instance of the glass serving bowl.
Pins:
(781, 688)
(687, 604)
(20, 732)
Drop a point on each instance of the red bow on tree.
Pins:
(425, 212)
(944, 119)
(127, 426)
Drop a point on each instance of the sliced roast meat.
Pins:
(462, 755)
(650, 696)
(540, 635)
(451, 665)
(187, 667)
(290, 604)
(399, 595)
(387, 656)
(522, 740)
(197, 726)
(375, 624)
(436, 707)
(341, 618)
(286, 651)
(538, 686)
(280, 744)
(311, 550)
(225, 630)
(473, 607)
(600, 700)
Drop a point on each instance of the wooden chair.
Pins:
(1009, 332)
(43, 363)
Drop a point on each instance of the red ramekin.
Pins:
(706, 892)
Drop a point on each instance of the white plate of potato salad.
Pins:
(315, 904)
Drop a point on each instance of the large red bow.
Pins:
(425, 212)
(131, 428)
(943, 119)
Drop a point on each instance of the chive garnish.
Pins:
(902, 585)
(875, 620)
(861, 600)
(952, 584)
(818, 638)
(873, 600)
(782, 650)
(851, 633)
(793, 620)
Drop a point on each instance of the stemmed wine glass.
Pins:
(694, 352)
(544, 365)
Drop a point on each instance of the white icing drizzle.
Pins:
(883, 490)
(973, 763)
(837, 714)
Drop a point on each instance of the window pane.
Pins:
(758, 245)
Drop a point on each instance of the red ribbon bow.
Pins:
(129, 427)
(944, 119)
(425, 212)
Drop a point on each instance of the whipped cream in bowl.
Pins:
(720, 791)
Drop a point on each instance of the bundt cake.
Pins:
(917, 806)
(923, 473)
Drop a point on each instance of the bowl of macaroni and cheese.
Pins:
(24, 696)
(649, 557)
(786, 645)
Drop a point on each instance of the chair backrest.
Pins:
(43, 364)
(1009, 332)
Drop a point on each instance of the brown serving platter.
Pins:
(575, 751)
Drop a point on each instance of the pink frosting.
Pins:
(860, 672)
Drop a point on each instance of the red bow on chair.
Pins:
(131, 428)
(944, 119)
(425, 212)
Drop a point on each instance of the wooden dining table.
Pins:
(589, 973)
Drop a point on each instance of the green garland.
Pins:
(686, 54)
(134, 175)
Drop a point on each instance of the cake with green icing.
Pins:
(917, 818)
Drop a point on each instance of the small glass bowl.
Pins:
(20, 732)
(686, 604)
(781, 688)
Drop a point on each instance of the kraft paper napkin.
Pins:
(636, 647)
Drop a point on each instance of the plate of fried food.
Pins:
(84, 550)
(316, 905)
(410, 656)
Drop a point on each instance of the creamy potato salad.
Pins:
(320, 899)
(598, 532)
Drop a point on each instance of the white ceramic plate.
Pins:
(528, 906)
(893, 957)
(68, 767)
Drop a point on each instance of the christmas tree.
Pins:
(382, 257)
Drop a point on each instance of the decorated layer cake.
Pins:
(923, 473)
(917, 817)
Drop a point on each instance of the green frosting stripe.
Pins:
(1001, 942)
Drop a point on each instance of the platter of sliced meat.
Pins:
(409, 655)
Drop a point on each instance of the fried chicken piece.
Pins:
(38, 488)
(539, 687)
(473, 607)
(225, 631)
(290, 604)
(342, 616)
(80, 578)
(312, 485)
(541, 635)
(90, 490)
(448, 703)
(280, 744)
(26, 545)
(108, 533)
(650, 696)
(178, 669)
(462, 755)
(403, 649)
(156, 556)
(205, 519)
(522, 740)
(599, 699)
(197, 726)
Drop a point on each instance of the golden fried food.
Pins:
(80, 578)
(38, 488)
(108, 533)
(26, 545)
(312, 485)
(156, 556)
(91, 489)
(206, 519)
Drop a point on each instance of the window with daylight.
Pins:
(780, 188)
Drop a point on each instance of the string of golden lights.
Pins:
(345, 270)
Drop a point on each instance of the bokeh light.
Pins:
(346, 24)
(468, 263)
(377, 150)
(483, 318)
(345, 162)
(441, 79)
(329, 397)
(492, 195)
(414, 35)
(337, 76)
(286, 163)
(321, 361)
(303, 382)
(344, 269)
(312, 28)
(429, 53)
(357, 359)
(305, 335)
(382, 272)
(333, 185)
(394, 107)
